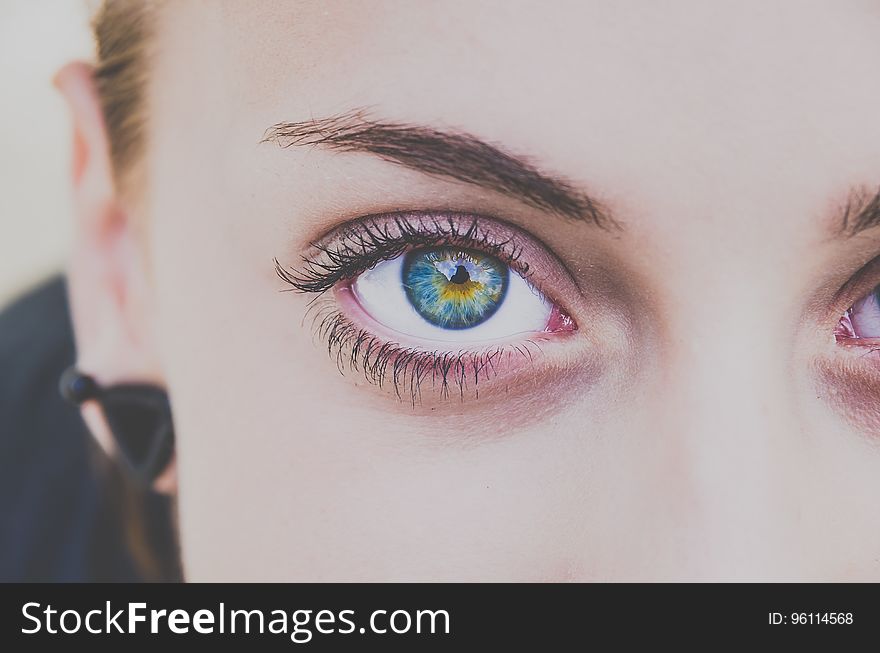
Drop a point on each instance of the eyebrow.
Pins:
(860, 213)
(450, 154)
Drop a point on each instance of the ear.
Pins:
(110, 293)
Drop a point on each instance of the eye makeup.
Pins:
(852, 389)
(850, 380)
(859, 325)
(445, 301)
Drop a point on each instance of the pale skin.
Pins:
(701, 423)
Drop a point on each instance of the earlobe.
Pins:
(111, 301)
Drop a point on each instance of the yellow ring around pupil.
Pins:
(453, 288)
(458, 292)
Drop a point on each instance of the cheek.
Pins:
(288, 471)
(840, 485)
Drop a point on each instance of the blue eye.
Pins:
(454, 288)
(451, 295)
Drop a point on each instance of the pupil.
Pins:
(461, 275)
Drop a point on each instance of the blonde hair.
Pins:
(122, 31)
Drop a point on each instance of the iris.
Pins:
(454, 288)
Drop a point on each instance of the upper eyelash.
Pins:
(372, 240)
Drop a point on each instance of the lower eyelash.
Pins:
(407, 368)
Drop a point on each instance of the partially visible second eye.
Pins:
(862, 321)
(453, 294)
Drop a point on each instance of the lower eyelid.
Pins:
(852, 388)
(871, 344)
(415, 374)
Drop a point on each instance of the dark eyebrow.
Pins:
(452, 154)
(860, 213)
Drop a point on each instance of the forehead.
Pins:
(739, 97)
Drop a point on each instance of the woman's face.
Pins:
(601, 335)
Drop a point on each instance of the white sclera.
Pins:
(381, 293)
(865, 316)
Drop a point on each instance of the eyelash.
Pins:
(359, 350)
(370, 241)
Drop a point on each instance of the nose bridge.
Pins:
(730, 417)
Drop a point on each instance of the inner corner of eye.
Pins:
(861, 320)
(454, 294)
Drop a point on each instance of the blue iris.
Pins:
(454, 288)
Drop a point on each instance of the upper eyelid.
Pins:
(858, 284)
(474, 233)
(338, 232)
(352, 239)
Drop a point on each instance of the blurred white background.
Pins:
(36, 38)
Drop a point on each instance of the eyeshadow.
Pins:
(852, 388)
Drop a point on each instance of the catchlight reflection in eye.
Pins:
(451, 294)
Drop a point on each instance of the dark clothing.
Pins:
(60, 519)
